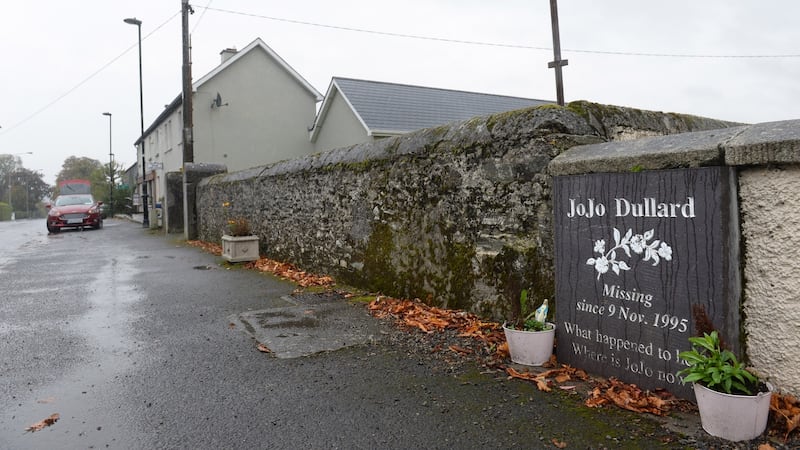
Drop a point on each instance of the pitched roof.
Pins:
(390, 108)
(258, 43)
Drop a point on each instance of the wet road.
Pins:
(111, 330)
(127, 336)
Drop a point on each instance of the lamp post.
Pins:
(146, 215)
(110, 166)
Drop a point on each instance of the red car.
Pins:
(74, 211)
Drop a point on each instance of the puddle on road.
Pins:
(79, 395)
(106, 324)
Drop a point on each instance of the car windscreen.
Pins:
(68, 200)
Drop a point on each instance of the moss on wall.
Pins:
(518, 267)
(379, 272)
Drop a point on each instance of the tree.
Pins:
(78, 168)
(27, 191)
(8, 164)
(85, 169)
(21, 189)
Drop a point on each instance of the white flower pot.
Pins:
(240, 248)
(733, 417)
(531, 348)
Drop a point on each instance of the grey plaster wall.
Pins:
(458, 216)
(770, 224)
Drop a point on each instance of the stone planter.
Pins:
(732, 417)
(239, 248)
(531, 348)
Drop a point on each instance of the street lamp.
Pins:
(146, 215)
(110, 166)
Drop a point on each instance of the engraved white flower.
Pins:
(600, 265)
(654, 251)
(600, 246)
(665, 251)
(637, 244)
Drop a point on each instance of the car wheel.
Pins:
(99, 224)
(52, 229)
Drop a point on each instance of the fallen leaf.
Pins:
(786, 414)
(562, 378)
(46, 400)
(628, 396)
(559, 444)
(215, 249)
(766, 447)
(539, 379)
(40, 425)
(263, 348)
(231, 325)
(290, 272)
(458, 349)
(541, 384)
(567, 388)
(283, 270)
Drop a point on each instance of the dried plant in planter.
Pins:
(239, 227)
(235, 226)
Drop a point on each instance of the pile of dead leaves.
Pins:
(283, 270)
(630, 397)
(604, 392)
(214, 249)
(544, 379)
(289, 272)
(785, 415)
(428, 319)
(415, 314)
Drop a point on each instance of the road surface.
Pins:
(128, 336)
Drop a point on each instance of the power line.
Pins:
(200, 19)
(494, 44)
(383, 33)
(85, 80)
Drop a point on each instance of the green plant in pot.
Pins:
(716, 368)
(530, 338)
(733, 402)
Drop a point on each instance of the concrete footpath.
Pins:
(279, 370)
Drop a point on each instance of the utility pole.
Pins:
(189, 213)
(188, 139)
(557, 62)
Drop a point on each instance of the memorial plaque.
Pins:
(638, 257)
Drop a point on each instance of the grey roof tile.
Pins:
(400, 108)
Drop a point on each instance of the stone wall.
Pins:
(459, 215)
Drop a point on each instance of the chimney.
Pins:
(227, 53)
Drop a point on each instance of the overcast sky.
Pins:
(65, 63)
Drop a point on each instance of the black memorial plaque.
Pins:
(638, 256)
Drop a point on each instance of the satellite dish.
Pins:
(217, 102)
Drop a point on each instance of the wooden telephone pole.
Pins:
(189, 212)
(188, 124)
(557, 62)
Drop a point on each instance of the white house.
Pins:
(252, 109)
